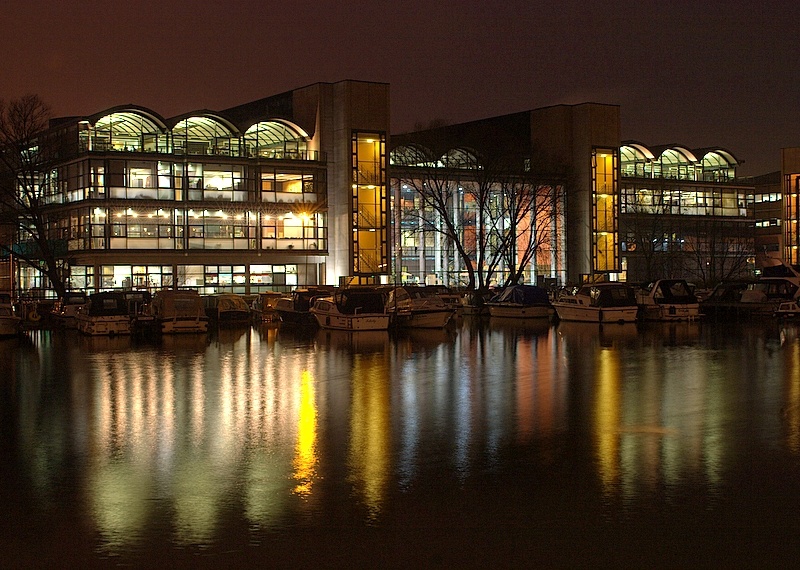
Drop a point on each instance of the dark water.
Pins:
(493, 445)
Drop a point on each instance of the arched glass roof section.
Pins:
(678, 162)
(719, 158)
(677, 155)
(635, 152)
(636, 160)
(410, 155)
(125, 129)
(205, 134)
(719, 165)
(276, 139)
(459, 158)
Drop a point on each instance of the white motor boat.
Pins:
(106, 314)
(609, 302)
(352, 309)
(418, 307)
(668, 300)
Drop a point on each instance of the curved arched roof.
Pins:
(274, 132)
(634, 151)
(677, 155)
(128, 120)
(410, 155)
(718, 157)
(203, 125)
(459, 158)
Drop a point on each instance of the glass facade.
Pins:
(791, 230)
(684, 215)
(137, 186)
(605, 196)
(369, 207)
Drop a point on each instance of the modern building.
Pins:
(626, 211)
(684, 214)
(306, 187)
(790, 171)
(284, 191)
(567, 154)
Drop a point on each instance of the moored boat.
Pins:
(179, 311)
(295, 308)
(418, 307)
(668, 300)
(10, 322)
(226, 308)
(788, 310)
(264, 305)
(65, 310)
(105, 314)
(608, 302)
(520, 302)
(352, 309)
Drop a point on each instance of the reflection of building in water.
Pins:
(305, 459)
(370, 431)
(184, 423)
(607, 416)
(791, 407)
(540, 388)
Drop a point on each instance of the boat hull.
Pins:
(588, 314)
(512, 311)
(104, 325)
(183, 325)
(364, 322)
(671, 312)
(426, 319)
(10, 326)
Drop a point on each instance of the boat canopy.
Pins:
(673, 291)
(351, 302)
(523, 295)
(617, 295)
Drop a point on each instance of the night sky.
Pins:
(697, 73)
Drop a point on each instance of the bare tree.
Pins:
(720, 250)
(490, 214)
(438, 187)
(529, 204)
(649, 230)
(27, 185)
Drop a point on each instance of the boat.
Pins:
(105, 314)
(521, 301)
(724, 301)
(788, 310)
(474, 304)
(418, 307)
(10, 322)
(179, 311)
(295, 308)
(352, 309)
(449, 297)
(263, 307)
(607, 302)
(65, 310)
(777, 285)
(226, 308)
(668, 300)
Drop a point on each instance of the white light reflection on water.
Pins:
(280, 430)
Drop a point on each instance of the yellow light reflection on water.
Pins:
(370, 432)
(607, 416)
(305, 458)
(791, 409)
